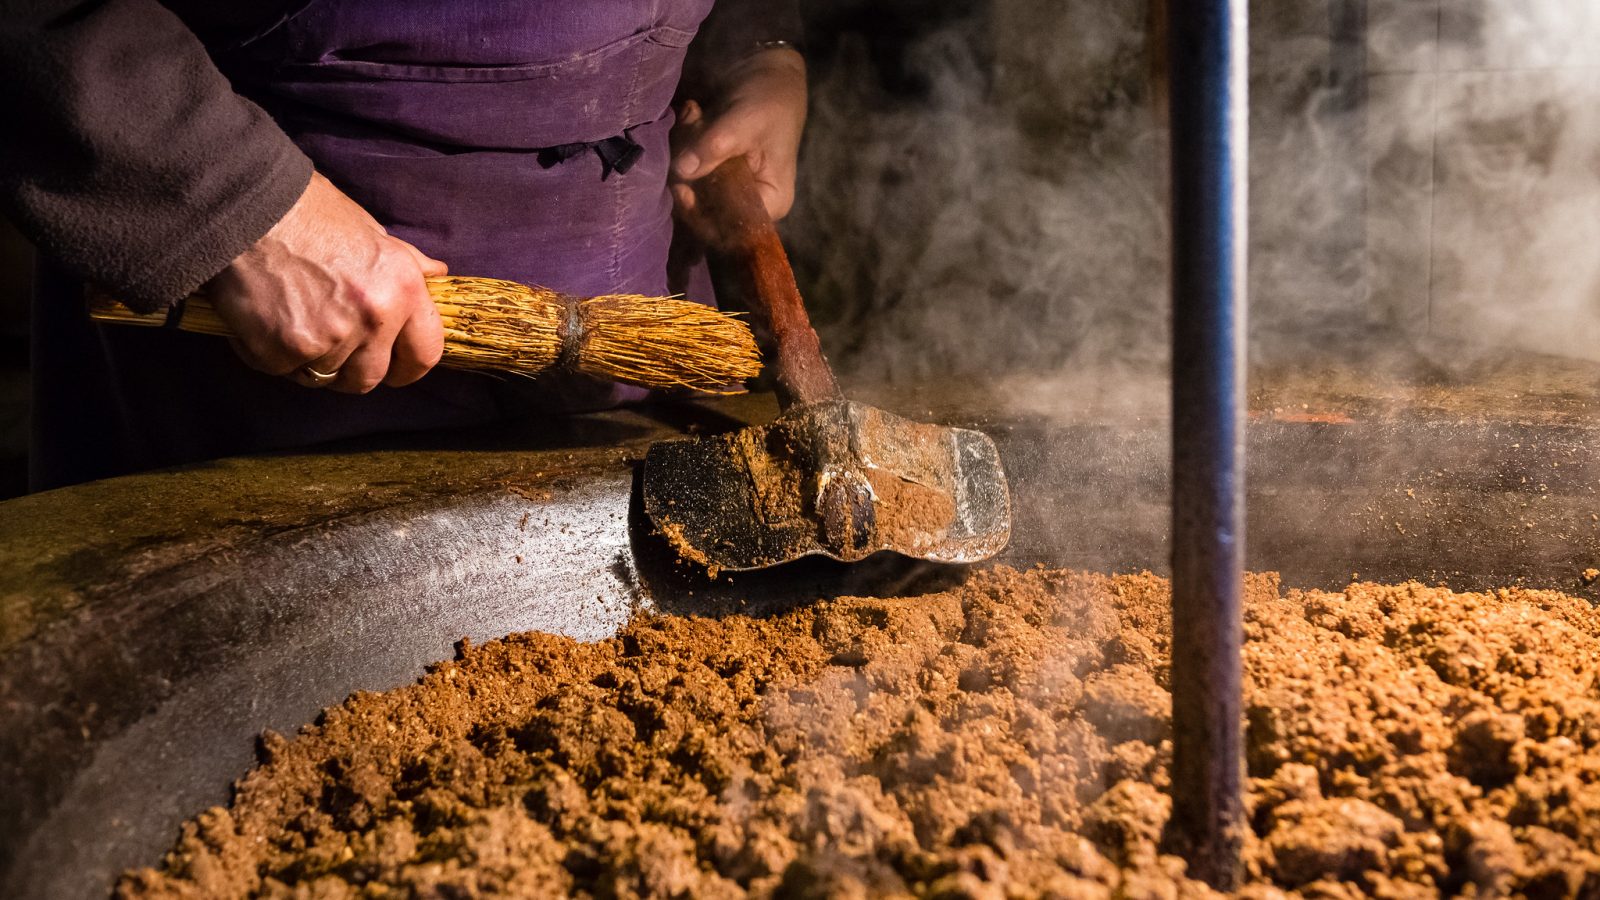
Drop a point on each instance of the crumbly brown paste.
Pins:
(1008, 738)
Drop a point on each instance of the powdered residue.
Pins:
(909, 516)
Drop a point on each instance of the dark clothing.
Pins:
(129, 159)
(460, 126)
(433, 117)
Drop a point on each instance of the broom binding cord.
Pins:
(569, 334)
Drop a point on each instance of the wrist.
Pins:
(766, 67)
(777, 57)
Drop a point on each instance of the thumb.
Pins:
(429, 266)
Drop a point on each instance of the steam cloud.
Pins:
(1000, 215)
(988, 201)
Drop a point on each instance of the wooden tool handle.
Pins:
(746, 240)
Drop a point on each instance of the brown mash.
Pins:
(1004, 739)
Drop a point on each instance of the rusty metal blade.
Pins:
(837, 479)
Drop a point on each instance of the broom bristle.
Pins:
(504, 326)
(498, 325)
(661, 341)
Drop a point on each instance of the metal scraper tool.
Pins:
(829, 476)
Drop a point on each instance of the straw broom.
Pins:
(502, 326)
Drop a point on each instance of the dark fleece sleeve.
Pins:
(125, 155)
(733, 31)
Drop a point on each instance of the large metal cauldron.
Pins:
(152, 626)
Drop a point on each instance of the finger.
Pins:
(417, 348)
(690, 122)
(430, 267)
(306, 380)
(250, 358)
(683, 198)
(368, 363)
(274, 356)
(365, 368)
(690, 214)
(331, 363)
(723, 139)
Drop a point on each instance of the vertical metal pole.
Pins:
(1209, 127)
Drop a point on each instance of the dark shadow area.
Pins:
(16, 290)
(690, 417)
(552, 432)
(588, 431)
(15, 410)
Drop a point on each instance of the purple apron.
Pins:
(512, 140)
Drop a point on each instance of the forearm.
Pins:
(127, 157)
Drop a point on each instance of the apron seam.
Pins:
(623, 196)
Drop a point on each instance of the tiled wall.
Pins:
(1483, 204)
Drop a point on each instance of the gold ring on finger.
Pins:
(319, 379)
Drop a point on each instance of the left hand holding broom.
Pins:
(328, 298)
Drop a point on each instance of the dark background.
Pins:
(16, 270)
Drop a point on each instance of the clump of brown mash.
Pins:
(1005, 739)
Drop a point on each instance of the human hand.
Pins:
(328, 290)
(760, 115)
